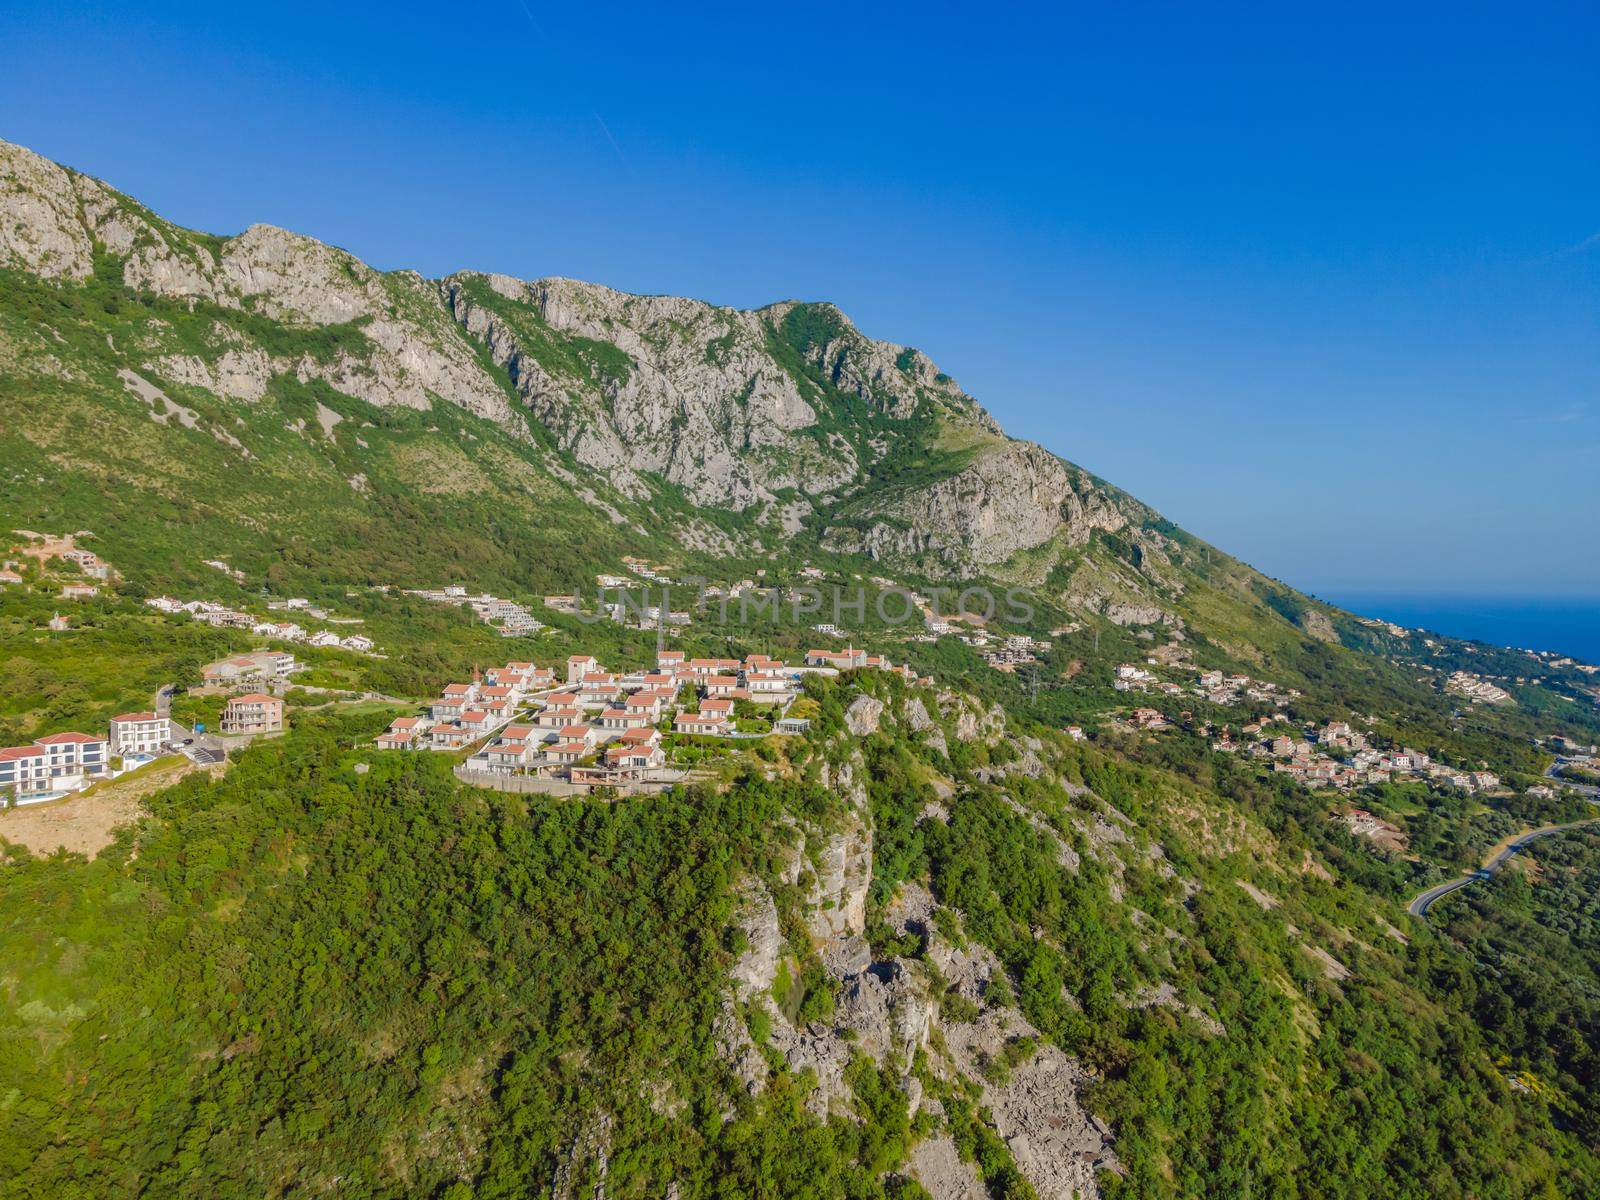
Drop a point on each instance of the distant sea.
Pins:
(1569, 625)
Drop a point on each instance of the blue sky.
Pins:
(1324, 286)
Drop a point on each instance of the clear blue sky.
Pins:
(1322, 285)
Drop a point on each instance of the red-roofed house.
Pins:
(401, 734)
(61, 762)
(140, 733)
(699, 723)
(254, 712)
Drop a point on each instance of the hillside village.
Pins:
(210, 612)
(592, 727)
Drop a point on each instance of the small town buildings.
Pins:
(848, 659)
(140, 733)
(51, 766)
(79, 591)
(402, 734)
(701, 723)
(498, 700)
(252, 713)
(450, 737)
(721, 685)
(566, 753)
(637, 756)
(258, 664)
(558, 716)
(448, 708)
(622, 718)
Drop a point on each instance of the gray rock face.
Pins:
(1057, 1145)
(745, 410)
(889, 1011)
(937, 1166)
(40, 229)
(863, 715)
(757, 965)
(703, 402)
(1013, 496)
(839, 897)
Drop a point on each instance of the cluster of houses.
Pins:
(47, 547)
(852, 659)
(506, 617)
(1338, 756)
(1019, 650)
(1213, 686)
(220, 615)
(642, 568)
(1473, 687)
(1219, 688)
(596, 726)
(62, 763)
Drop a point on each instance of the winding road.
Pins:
(1420, 904)
(1553, 773)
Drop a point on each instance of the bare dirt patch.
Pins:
(84, 824)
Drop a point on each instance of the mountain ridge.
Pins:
(785, 410)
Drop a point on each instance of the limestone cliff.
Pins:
(787, 414)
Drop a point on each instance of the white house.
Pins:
(140, 733)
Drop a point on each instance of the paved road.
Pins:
(1419, 905)
(205, 749)
(1553, 773)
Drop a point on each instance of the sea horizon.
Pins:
(1564, 624)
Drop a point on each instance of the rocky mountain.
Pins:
(980, 931)
(787, 416)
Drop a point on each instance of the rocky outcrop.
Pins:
(752, 410)
(1013, 496)
(838, 898)
(757, 964)
(919, 721)
(938, 1167)
(686, 390)
(863, 715)
(40, 227)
